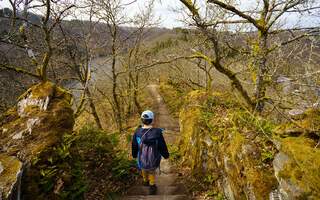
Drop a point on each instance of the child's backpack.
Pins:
(149, 156)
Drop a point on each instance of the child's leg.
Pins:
(144, 175)
(153, 187)
(152, 177)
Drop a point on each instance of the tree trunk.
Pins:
(93, 109)
(262, 71)
(117, 109)
(136, 93)
(235, 82)
(130, 95)
(48, 54)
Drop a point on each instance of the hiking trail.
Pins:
(168, 187)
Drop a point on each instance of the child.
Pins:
(148, 146)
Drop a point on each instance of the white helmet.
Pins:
(147, 114)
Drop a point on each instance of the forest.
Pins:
(234, 86)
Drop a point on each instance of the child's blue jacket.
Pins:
(151, 137)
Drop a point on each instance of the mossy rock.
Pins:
(246, 171)
(40, 90)
(47, 89)
(302, 169)
(30, 127)
(10, 167)
(308, 124)
(311, 122)
(220, 136)
(189, 131)
(195, 98)
(36, 128)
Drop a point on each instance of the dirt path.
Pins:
(168, 188)
(163, 117)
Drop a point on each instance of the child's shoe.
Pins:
(153, 190)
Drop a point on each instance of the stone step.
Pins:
(161, 190)
(168, 179)
(156, 197)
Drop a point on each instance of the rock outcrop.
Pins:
(248, 157)
(297, 164)
(42, 115)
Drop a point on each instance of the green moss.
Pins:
(262, 181)
(307, 123)
(31, 109)
(189, 130)
(11, 165)
(9, 115)
(303, 167)
(214, 127)
(173, 98)
(47, 89)
(312, 120)
(63, 94)
(42, 90)
(222, 99)
(259, 178)
(196, 96)
(236, 145)
(245, 120)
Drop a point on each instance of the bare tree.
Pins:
(264, 19)
(136, 55)
(79, 48)
(111, 13)
(53, 13)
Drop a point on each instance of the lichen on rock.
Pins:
(11, 167)
(221, 140)
(249, 156)
(299, 174)
(42, 115)
(297, 164)
(307, 123)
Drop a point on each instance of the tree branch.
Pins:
(231, 75)
(19, 70)
(191, 7)
(293, 39)
(237, 12)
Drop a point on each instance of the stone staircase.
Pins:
(168, 187)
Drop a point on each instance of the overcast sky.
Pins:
(165, 10)
(169, 18)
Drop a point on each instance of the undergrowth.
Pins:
(85, 165)
(173, 94)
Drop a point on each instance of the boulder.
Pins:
(296, 165)
(297, 169)
(42, 115)
(230, 156)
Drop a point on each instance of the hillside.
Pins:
(15, 84)
(116, 108)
